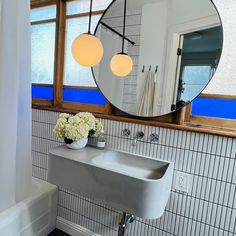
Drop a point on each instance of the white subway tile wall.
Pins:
(208, 210)
(133, 30)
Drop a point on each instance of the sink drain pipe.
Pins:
(126, 219)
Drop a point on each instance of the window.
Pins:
(197, 68)
(59, 83)
(57, 80)
(215, 107)
(207, 109)
(79, 85)
(194, 78)
(74, 74)
(82, 6)
(43, 34)
(213, 110)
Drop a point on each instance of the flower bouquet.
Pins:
(75, 130)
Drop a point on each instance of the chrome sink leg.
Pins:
(126, 219)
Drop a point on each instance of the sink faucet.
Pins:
(139, 135)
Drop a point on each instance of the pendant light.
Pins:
(87, 49)
(122, 64)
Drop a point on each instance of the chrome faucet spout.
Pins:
(139, 135)
(134, 141)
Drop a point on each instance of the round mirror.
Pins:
(175, 47)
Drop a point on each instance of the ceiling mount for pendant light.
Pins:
(122, 64)
(87, 49)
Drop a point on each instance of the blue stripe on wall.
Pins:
(83, 96)
(214, 107)
(41, 92)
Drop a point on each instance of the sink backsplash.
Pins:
(209, 208)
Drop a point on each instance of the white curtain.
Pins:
(15, 102)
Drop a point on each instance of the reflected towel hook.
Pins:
(143, 69)
(156, 69)
(150, 68)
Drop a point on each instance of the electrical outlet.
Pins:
(182, 182)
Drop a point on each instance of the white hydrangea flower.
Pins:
(64, 115)
(75, 120)
(88, 118)
(59, 129)
(76, 129)
(98, 128)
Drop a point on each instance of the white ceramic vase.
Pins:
(76, 145)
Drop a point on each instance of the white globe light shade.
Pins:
(121, 64)
(87, 50)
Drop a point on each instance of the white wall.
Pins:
(187, 10)
(224, 81)
(152, 44)
(209, 209)
(153, 34)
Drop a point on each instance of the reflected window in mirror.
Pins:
(193, 78)
(200, 56)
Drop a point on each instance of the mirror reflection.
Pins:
(175, 46)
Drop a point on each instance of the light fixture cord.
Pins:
(90, 16)
(124, 25)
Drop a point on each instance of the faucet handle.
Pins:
(139, 135)
(125, 132)
(154, 138)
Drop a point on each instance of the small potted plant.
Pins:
(75, 130)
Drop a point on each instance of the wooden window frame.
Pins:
(224, 123)
(180, 120)
(37, 4)
(59, 61)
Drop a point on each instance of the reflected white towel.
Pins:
(147, 103)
